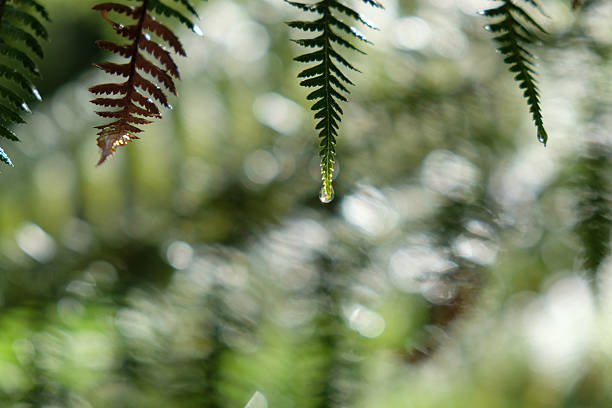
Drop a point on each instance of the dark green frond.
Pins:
(348, 30)
(513, 35)
(328, 80)
(161, 8)
(18, 30)
(317, 25)
(313, 56)
(188, 6)
(374, 3)
(14, 14)
(353, 14)
(311, 42)
(305, 7)
(8, 134)
(14, 99)
(592, 184)
(18, 34)
(36, 6)
(19, 79)
(341, 41)
(10, 116)
(21, 57)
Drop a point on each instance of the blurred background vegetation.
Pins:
(461, 264)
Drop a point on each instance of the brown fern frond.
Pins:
(138, 95)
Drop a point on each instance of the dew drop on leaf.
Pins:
(25, 107)
(326, 196)
(36, 94)
(4, 157)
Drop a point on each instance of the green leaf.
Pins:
(341, 41)
(9, 115)
(188, 6)
(8, 134)
(20, 56)
(305, 7)
(36, 5)
(161, 8)
(310, 57)
(318, 25)
(18, 34)
(14, 99)
(14, 14)
(19, 79)
(353, 14)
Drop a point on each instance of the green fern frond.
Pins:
(162, 9)
(513, 35)
(593, 186)
(20, 31)
(326, 75)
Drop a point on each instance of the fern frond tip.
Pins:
(512, 35)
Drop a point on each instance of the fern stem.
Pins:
(135, 54)
(327, 162)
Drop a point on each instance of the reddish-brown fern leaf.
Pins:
(137, 96)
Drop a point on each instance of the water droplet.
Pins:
(481, 12)
(147, 36)
(542, 136)
(487, 27)
(197, 30)
(326, 196)
(25, 107)
(36, 94)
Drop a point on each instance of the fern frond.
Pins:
(512, 34)
(20, 31)
(592, 183)
(326, 76)
(133, 105)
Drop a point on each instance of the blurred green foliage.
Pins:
(461, 264)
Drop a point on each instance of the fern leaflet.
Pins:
(513, 35)
(20, 31)
(326, 76)
(134, 107)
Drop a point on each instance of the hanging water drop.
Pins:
(481, 12)
(326, 196)
(542, 136)
(25, 107)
